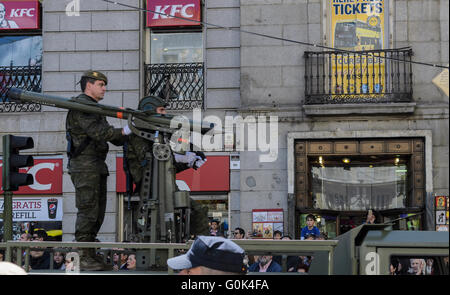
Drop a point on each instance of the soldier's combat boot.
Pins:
(88, 261)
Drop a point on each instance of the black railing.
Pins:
(181, 84)
(24, 77)
(366, 76)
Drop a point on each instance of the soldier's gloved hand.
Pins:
(188, 158)
(199, 162)
(126, 130)
(201, 155)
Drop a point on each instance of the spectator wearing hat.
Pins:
(310, 229)
(210, 256)
(8, 268)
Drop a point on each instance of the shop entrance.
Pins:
(340, 180)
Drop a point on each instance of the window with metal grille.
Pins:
(176, 69)
(21, 67)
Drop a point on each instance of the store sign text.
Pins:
(19, 15)
(165, 13)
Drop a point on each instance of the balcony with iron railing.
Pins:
(180, 84)
(24, 77)
(363, 77)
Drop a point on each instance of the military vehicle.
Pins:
(376, 249)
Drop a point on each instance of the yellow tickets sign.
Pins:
(358, 25)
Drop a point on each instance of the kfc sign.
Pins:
(47, 174)
(166, 13)
(19, 14)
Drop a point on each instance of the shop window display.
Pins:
(176, 48)
(20, 51)
(359, 183)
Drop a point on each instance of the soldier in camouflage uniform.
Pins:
(87, 136)
(138, 148)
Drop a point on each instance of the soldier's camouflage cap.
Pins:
(95, 75)
(150, 103)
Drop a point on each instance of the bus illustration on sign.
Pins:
(358, 35)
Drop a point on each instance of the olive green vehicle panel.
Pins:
(367, 249)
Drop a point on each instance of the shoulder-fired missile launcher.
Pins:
(162, 213)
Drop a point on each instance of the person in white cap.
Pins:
(210, 256)
(8, 268)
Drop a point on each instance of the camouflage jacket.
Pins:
(82, 125)
(136, 155)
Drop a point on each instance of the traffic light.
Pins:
(12, 161)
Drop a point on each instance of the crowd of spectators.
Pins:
(267, 263)
(121, 259)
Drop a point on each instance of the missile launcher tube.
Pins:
(21, 96)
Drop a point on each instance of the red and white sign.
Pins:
(19, 14)
(167, 13)
(213, 176)
(36, 208)
(47, 174)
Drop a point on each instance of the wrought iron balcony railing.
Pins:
(336, 77)
(180, 84)
(24, 77)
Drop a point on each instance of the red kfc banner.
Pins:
(47, 174)
(213, 176)
(19, 14)
(166, 13)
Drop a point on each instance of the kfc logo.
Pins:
(175, 10)
(47, 175)
(163, 13)
(22, 12)
(34, 171)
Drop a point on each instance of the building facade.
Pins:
(355, 131)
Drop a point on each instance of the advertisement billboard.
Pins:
(167, 13)
(47, 174)
(36, 208)
(358, 26)
(19, 14)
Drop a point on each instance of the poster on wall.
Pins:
(19, 14)
(36, 208)
(31, 213)
(441, 213)
(266, 222)
(358, 26)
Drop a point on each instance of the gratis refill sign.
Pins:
(19, 15)
(36, 208)
(169, 13)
